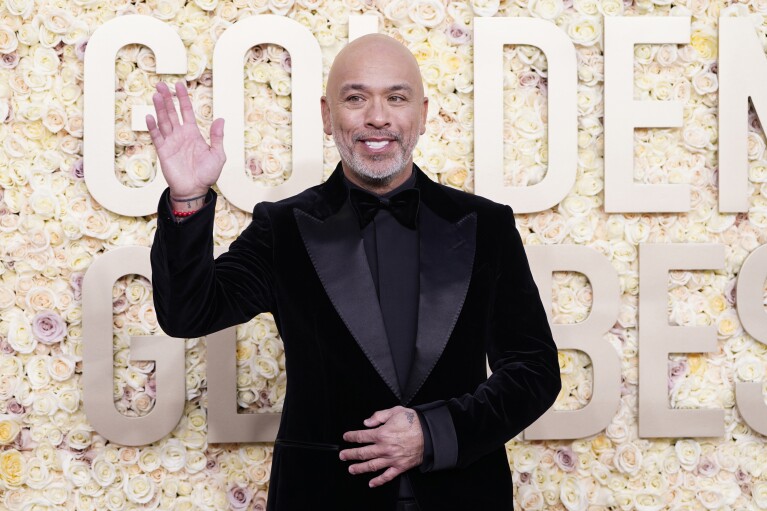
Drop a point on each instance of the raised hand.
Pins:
(189, 164)
(396, 445)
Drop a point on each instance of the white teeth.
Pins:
(376, 145)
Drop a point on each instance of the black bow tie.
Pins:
(403, 206)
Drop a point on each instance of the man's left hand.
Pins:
(396, 444)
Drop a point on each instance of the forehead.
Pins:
(374, 66)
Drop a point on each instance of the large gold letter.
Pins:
(99, 108)
(228, 102)
(167, 352)
(657, 339)
(585, 336)
(490, 34)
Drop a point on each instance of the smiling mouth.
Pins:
(376, 144)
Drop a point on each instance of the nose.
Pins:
(377, 114)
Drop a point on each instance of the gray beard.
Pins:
(369, 176)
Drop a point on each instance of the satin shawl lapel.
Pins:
(447, 258)
(337, 252)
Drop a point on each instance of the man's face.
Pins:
(375, 109)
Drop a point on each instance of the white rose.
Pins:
(546, 9)
(572, 494)
(649, 502)
(688, 451)
(759, 494)
(628, 458)
(104, 472)
(79, 437)
(529, 498)
(705, 82)
(20, 334)
(68, 399)
(75, 471)
(428, 13)
(139, 489)
(149, 459)
(115, 500)
(525, 458)
(8, 40)
(37, 372)
(196, 461)
(585, 30)
(173, 455)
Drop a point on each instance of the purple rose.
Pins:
(5, 347)
(80, 48)
(15, 408)
(76, 281)
(565, 458)
(48, 327)
(9, 60)
(708, 466)
(239, 498)
(458, 34)
(677, 369)
(286, 63)
(78, 169)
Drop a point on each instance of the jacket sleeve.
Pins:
(523, 358)
(194, 294)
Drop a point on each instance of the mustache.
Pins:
(377, 134)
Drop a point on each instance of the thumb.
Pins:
(380, 417)
(217, 135)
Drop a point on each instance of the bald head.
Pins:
(375, 108)
(374, 50)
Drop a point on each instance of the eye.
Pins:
(355, 98)
(397, 99)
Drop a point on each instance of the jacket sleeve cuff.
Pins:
(438, 424)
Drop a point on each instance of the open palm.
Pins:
(189, 164)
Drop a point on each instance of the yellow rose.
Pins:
(9, 429)
(705, 43)
(12, 468)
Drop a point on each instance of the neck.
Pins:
(379, 186)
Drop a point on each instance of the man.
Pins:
(389, 292)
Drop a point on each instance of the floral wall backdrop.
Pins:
(51, 229)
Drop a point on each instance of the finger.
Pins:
(362, 453)
(154, 133)
(384, 478)
(187, 112)
(170, 108)
(362, 436)
(162, 113)
(373, 465)
(217, 135)
(380, 416)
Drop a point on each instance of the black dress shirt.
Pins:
(392, 252)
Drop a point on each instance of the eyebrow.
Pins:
(364, 88)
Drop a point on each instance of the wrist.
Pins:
(188, 202)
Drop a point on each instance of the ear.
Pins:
(424, 114)
(327, 126)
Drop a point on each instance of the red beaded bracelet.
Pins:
(185, 213)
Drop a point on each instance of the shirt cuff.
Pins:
(438, 422)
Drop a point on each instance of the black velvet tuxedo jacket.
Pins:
(303, 259)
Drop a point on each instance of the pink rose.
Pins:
(566, 459)
(77, 171)
(239, 498)
(48, 327)
(9, 60)
(458, 34)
